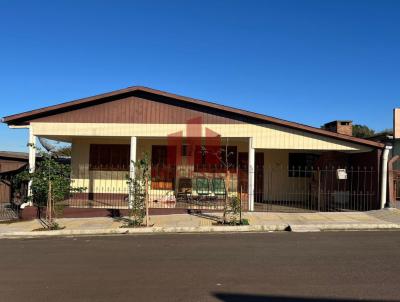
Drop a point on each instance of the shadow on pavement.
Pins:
(267, 298)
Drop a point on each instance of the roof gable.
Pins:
(134, 97)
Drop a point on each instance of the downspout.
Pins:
(385, 157)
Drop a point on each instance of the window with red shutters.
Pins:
(109, 157)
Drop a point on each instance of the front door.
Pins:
(163, 167)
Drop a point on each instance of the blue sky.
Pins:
(305, 61)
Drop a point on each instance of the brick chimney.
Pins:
(342, 127)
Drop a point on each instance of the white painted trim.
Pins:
(251, 172)
(18, 127)
(31, 157)
(385, 157)
(132, 161)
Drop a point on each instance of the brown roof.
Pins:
(14, 155)
(25, 117)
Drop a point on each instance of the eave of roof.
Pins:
(14, 155)
(25, 117)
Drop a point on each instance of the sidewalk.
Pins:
(185, 223)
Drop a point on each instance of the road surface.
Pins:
(287, 267)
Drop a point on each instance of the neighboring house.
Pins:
(11, 163)
(391, 136)
(396, 134)
(273, 164)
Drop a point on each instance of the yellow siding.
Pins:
(264, 136)
(278, 185)
(95, 181)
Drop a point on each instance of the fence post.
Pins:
(132, 167)
(319, 190)
(251, 174)
(392, 185)
(240, 213)
(147, 201)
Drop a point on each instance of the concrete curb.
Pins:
(155, 230)
(359, 226)
(343, 227)
(207, 229)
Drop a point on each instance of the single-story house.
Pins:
(193, 145)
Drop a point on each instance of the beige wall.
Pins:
(396, 123)
(95, 181)
(264, 136)
(278, 185)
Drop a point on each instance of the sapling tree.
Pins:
(50, 186)
(232, 205)
(138, 182)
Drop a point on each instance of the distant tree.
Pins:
(362, 131)
(387, 131)
(64, 151)
(57, 151)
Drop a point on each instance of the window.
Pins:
(300, 164)
(213, 158)
(109, 157)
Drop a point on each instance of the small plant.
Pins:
(233, 215)
(51, 227)
(234, 210)
(138, 183)
(244, 221)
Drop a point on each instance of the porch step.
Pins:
(303, 228)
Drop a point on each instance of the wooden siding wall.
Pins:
(264, 136)
(8, 165)
(136, 116)
(136, 110)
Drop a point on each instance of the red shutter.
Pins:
(109, 157)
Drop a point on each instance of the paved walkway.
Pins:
(372, 217)
(382, 219)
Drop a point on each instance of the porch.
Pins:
(190, 177)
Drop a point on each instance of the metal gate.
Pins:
(394, 182)
(291, 189)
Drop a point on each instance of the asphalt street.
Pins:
(287, 267)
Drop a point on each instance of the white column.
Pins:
(32, 157)
(385, 157)
(251, 174)
(132, 165)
